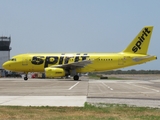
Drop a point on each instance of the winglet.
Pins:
(140, 43)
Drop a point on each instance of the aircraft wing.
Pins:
(74, 65)
(138, 59)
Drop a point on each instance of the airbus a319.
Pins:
(65, 64)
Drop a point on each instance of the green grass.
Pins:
(89, 112)
(94, 76)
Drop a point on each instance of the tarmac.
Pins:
(66, 92)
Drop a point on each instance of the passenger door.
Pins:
(24, 61)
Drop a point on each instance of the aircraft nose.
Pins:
(6, 65)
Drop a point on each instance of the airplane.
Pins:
(73, 64)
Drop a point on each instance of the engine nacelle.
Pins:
(55, 72)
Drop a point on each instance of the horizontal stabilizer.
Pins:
(138, 59)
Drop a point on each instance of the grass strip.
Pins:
(88, 112)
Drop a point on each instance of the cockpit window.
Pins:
(13, 59)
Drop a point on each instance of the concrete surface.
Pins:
(69, 101)
(66, 92)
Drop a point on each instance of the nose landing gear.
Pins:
(26, 78)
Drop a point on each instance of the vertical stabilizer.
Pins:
(140, 43)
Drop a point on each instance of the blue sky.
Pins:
(79, 25)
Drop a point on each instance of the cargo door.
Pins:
(123, 60)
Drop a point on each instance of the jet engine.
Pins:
(54, 72)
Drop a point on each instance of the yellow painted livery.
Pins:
(64, 64)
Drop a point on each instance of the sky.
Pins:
(79, 26)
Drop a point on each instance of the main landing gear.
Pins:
(74, 73)
(76, 77)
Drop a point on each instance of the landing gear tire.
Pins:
(25, 78)
(76, 77)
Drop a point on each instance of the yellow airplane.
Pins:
(64, 64)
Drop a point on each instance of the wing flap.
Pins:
(74, 65)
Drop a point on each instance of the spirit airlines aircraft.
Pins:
(64, 64)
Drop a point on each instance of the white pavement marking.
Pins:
(144, 87)
(73, 86)
(77, 101)
(107, 86)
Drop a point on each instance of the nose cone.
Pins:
(6, 66)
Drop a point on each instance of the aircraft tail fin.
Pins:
(140, 43)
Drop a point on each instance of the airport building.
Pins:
(4, 52)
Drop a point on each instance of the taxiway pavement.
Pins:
(66, 92)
